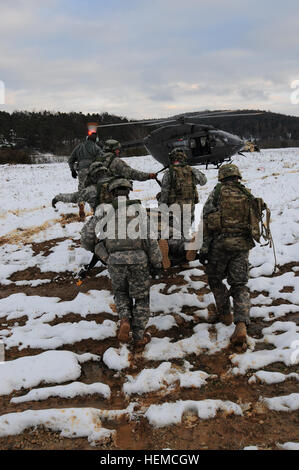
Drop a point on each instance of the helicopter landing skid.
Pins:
(219, 163)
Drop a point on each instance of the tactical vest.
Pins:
(182, 185)
(103, 195)
(239, 213)
(123, 244)
(108, 159)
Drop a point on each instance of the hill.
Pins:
(58, 133)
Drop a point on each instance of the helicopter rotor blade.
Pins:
(181, 118)
(161, 122)
(153, 121)
(207, 116)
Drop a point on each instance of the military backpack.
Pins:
(239, 213)
(183, 186)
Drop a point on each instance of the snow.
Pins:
(172, 413)
(27, 319)
(288, 446)
(200, 341)
(151, 380)
(47, 367)
(283, 335)
(272, 377)
(283, 403)
(70, 422)
(43, 336)
(117, 359)
(65, 391)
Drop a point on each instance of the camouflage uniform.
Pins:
(175, 239)
(77, 196)
(118, 167)
(129, 263)
(227, 252)
(187, 194)
(80, 160)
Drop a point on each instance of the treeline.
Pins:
(58, 132)
(268, 130)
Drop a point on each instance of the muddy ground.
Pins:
(258, 426)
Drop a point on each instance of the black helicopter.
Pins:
(203, 144)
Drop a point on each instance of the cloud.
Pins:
(143, 59)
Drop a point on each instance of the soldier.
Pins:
(172, 242)
(79, 162)
(117, 166)
(130, 262)
(226, 243)
(179, 185)
(96, 184)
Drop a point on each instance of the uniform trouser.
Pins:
(88, 235)
(75, 197)
(186, 217)
(232, 265)
(131, 285)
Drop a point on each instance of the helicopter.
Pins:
(203, 144)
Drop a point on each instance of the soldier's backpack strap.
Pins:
(217, 191)
(110, 158)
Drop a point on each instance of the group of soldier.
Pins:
(106, 180)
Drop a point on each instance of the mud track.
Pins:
(258, 426)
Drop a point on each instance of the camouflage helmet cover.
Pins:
(177, 154)
(226, 171)
(120, 183)
(111, 145)
(97, 167)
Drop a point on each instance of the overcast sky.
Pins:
(149, 58)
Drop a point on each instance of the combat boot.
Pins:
(191, 254)
(140, 344)
(124, 331)
(226, 319)
(54, 202)
(164, 248)
(239, 336)
(81, 211)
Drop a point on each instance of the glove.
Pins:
(152, 176)
(74, 174)
(203, 258)
(156, 273)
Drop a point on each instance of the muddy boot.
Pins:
(81, 211)
(140, 344)
(124, 331)
(164, 248)
(191, 254)
(239, 337)
(227, 319)
(54, 202)
(215, 317)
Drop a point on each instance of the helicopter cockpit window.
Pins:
(200, 146)
(216, 142)
(192, 143)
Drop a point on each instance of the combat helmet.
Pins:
(111, 145)
(120, 183)
(226, 171)
(97, 169)
(177, 153)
